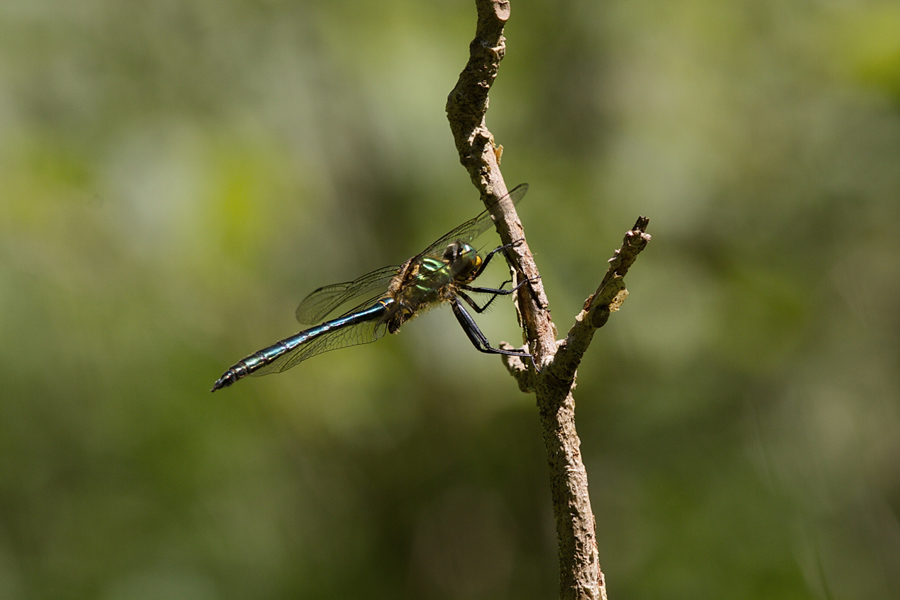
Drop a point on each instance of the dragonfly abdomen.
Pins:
(271, 357)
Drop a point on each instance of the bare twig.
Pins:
(610, 295)
(552, 375)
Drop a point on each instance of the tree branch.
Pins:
(610, 295)
(552, 375)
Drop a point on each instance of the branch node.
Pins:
(517, 367)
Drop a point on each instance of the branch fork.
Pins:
(552, 374)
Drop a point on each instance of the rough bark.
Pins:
(552, 374)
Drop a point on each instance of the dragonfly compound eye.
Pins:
(452, 252)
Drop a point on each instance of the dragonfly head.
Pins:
(463, 260)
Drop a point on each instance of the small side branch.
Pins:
(610, 295)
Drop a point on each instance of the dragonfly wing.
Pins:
(325, 300)
(343, 337)
(474, 227)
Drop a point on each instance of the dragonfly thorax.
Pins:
(427, 281)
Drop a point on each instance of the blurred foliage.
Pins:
(177, 175)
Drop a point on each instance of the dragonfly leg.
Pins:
(494, 291)
(482, 290)
(489, 256)
(477, 338)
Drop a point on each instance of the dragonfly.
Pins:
(391, 296)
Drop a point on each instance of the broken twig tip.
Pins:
(641, 224)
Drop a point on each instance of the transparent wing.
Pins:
(364, 333)
(474, 227)
(340, 337)
(320, 303)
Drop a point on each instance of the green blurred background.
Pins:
(176, 175)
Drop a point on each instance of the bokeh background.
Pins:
(176, 175)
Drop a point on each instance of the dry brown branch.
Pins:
(554, 378)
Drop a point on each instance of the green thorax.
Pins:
(433, 277)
